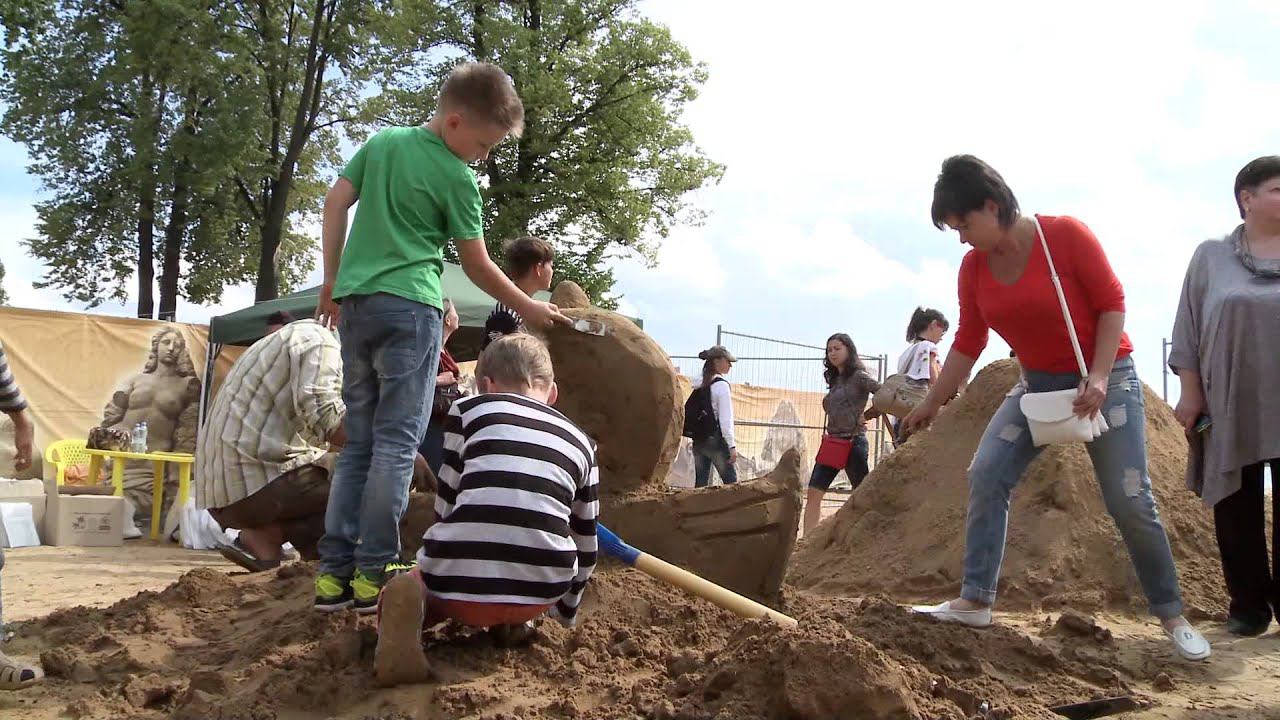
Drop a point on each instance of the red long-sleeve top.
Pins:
(1026, 313)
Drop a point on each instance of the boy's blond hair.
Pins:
(518, 360)
(484, 92)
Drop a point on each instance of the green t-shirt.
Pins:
(415, 196)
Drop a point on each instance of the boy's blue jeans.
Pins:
(390, 347)
(1120, 464)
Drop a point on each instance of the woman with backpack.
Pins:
(844, 442)
(708, 420)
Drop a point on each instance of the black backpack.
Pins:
(700, 421)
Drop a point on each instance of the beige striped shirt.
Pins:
(280, 401)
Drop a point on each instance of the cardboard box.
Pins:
(31, 492)
(86, 520)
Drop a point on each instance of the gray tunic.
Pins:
(1228, 329)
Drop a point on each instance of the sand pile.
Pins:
(902, 533)
(250, 648)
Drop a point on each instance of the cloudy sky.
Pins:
(833, 118)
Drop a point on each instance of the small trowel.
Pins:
(590, 327)
(1096, 708)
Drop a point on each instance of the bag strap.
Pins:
(1062, 299)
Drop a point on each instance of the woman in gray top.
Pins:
(848, 387)
(1226, 352)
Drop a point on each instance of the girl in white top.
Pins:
(919, 362)
(719, 449)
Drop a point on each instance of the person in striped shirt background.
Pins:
(514, 535)
(15, 674)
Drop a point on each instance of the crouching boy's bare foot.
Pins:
(399, 658)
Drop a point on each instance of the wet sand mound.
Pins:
(250, 648)
(902, 532)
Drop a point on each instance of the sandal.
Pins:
(15, 674)
(237, 554)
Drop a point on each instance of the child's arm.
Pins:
(481, 270)
(582, 525)
(451, 469)
(333, 236)
(935, 367)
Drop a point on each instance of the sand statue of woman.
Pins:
(166, 396)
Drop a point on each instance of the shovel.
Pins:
(1096, 708)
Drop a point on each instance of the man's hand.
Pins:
(733, 456)
(23, 439)
(446, 378)
(1090, 396)
(871, 414)
(326, 309)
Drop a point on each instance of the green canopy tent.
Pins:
(246, 326)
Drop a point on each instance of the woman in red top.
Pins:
(1005, 285)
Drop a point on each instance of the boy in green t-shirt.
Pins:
(416, 193)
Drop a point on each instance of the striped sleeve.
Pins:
(11, 399)
(450, 476)
(582, 525)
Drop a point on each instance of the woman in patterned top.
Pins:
(848, 387)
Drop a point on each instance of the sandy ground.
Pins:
(1240, 681)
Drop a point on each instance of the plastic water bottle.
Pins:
(140, 438)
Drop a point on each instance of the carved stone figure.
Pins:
(166, 396)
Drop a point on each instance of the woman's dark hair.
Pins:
(851, 366)
(525, 253)
(1254, 174)
(708, 372)
(921, 319)
(964, 185)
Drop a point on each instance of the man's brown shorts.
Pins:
(295, 500)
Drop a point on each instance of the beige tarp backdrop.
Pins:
(79, 370)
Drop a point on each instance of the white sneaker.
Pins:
(972, 618)
(131, 531)
(1189, 643)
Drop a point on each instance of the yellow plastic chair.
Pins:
(65, 453)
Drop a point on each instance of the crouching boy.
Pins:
(515, 528)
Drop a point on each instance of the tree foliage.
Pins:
(605, 166)
(197, 137)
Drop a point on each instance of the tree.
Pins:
(131, 113)
(309, 67)
(605, 165)
(145, 124)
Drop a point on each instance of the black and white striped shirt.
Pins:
(11, 400)
(516, 507)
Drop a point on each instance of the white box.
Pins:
(86, 520)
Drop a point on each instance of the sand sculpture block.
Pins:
(903, 531)
(739, 536)
(621, 389)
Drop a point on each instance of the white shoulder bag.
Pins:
(1051, 415)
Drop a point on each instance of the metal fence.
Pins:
(789, 366)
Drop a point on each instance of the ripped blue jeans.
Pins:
(1120, 464)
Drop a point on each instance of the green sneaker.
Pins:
(333, 593)
(366, 585)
